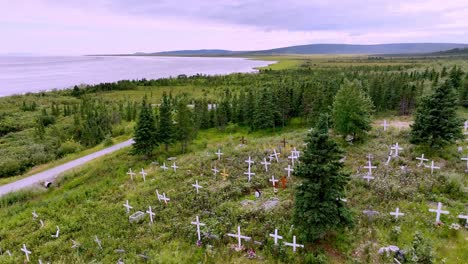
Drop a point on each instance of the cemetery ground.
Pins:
(87, 205)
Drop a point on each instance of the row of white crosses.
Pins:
(275, 236)
(438, 212)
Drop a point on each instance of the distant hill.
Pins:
(396, 48)
(452, 52)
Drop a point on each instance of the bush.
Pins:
(421, 250)
(68, 147)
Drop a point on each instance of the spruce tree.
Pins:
(165, 133)
(318, 208)
(145, 131)
(436, 122)
(264, 113)
(352, 110)
(184, 124)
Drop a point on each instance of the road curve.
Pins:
(50, 174)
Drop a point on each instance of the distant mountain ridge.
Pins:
(394, 48)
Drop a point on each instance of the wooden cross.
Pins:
(293, 244)
(265, 163)
(143, 174)
(151, 214)
(397, 213)
(164, 167)
(127, 207)
(438, 212)
(275, 236)
(421, 160)
(433, 167)
(198, 224)
(224, 174)
(239, 237)
(284, 142)
(289, 170)
(57, 233)
(243, 140)
(26, 251)
(96, 239)
(197, 186)
(131, 173)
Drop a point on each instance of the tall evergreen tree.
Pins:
(352, 110)
(264, 113)
(184, 124)
(318, 208)
(145, 131)
(436, 122)
(165, 133)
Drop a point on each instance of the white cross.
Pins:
(34, 214)
(174, 166)
(249, 174)
(239, 237)
(289, 169)
(197, 186)
(397, 149)
(385, 125)
(198, 224)
(164, 167)
(466, 159)
(368, 177)
(159, 196)
(249, 161)
(422, 160)
(151, 214)
(215, 170)
(370, 167)
(370, 156)
(397, 213)
(465, 126)
(273, 181)
(75, 244)
(42, 223)
(433, 167)
(275, 236)
(389, 158)
(26, 251)
(464, 217)
(164, 198)
(57, 233)
(219, 154)
(127, 207)
(292, 158)
(143, 174)
(293, 244)
(296, 152)
(96, 239)
(438, 211)
(265, 163)
(275, 154)
(131, 173)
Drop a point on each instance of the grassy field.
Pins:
(89, 202)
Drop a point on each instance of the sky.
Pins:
(73, 27)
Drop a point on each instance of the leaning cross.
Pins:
(433, 167)
(239, 237)
(421, 160)
(96, 239)
(438, 212)
(26, 251)
(151, 214)
(127, 207)
(143, 174)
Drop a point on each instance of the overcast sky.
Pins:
(127, 26)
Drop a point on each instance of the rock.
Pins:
(270, 204)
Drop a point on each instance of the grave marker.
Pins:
(273, 182)
(136, 217)
(197, 186)
(368, 177)
(174, 166)
(397, 149)
(249, 161)
(215, 170)
(224, 174)
(275, 236)
(219, 154)
(26, 252)
(127, 207)
(239, 237)
(42, 223)
(438, 211)
(293, 244)
(131, 173)
(289, 170)
(96, 239)
(276, 154)
(164, 198)
(397, 213)
(265, 163)
(198, 224)
(369, 167)
(75, 244)
(421, 160)
(464, 217)
(164, 167)
(34, 214)
(151, 214)
(158, 195)
(57, 233)
(284, 142)
(143, 174)
(385, 125)
(249, 174)
(466, 159)
(433, 167)
(284, 181)
(243, 140)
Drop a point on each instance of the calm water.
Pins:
(19, 75)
